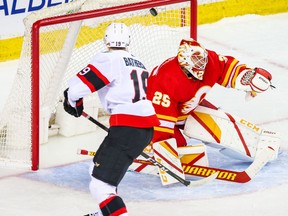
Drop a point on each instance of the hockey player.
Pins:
(119, 78)
(179, 85)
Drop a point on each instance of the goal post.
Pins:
(59, 41)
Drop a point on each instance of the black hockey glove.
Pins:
(75, 111)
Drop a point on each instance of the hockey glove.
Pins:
(75, 111)
(255, 80)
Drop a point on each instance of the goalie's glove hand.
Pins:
(75, 111)
(254, 81)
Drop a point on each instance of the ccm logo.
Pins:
(249, 125)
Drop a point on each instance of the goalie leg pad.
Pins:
(165, 152)
(269, 139)
(195, 154)
(223, 130)
(189, 155)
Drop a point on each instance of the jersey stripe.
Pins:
(94, 79)
(162, 129)
(165, 117)
(133, 121)
(238, 69)
(229, 71)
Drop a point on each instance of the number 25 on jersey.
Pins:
(161, 99)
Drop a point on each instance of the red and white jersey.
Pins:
(174, 95)
(120, 80)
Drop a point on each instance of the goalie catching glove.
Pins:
(255, 80)
(75, 111)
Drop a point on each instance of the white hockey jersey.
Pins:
(120, 80)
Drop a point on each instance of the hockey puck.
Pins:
(153, 11)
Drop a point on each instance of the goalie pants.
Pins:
(118, 150)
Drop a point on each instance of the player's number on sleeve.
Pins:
(137, 85)
(161, 99)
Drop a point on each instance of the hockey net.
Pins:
(61, 40)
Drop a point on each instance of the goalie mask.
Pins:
(192, 57)
(117, 35)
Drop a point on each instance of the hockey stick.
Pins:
(162, 167)
(202, 171)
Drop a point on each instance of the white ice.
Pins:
(60, 187)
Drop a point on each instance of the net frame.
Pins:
(75, 17)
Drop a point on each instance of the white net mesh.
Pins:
(64, 51)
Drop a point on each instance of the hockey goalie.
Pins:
(177, 89)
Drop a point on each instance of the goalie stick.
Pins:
(202, 171)
(162, 167)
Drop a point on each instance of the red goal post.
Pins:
(59, 41)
